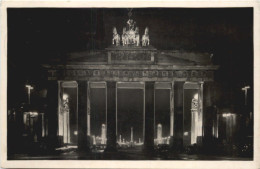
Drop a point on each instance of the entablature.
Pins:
(131, 73)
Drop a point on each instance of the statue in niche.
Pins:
(116, 37)
(145, 37)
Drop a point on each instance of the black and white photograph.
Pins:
(130, 84)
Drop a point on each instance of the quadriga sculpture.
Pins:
(145, 37)
(116, 37)
(130, 35)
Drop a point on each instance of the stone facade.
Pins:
(134, 64)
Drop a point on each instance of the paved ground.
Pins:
(122, 155)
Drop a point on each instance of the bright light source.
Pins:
(226, 114)
(65, 96)
(75, 132)
(196, 96)
(186, 133)
(29, 87)
(33, 114)
(246, 88)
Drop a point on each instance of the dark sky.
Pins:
(37, 34)
(98, 110)
(130, 113)
(162, 111)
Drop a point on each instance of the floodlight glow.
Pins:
(245, 90)
(65, 96)
(29, 87)
(226, 114)
(33, 114)
(196, 96)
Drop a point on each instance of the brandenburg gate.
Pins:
(129, 63)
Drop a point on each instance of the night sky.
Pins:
(130, 113)
(98, 110)
(37, 35)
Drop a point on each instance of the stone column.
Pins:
(172, 114)
(83, 140)
(111, 117)
(88, 110)
(200, 115)
(52, 114)
(209, 113)
(149, 117)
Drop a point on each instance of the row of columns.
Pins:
(176, 96)
(83, 138)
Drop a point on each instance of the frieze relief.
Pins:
(131, 56)
(192, 74)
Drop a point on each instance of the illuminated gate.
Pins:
(130, 65)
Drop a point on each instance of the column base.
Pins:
(110, 149)
(84, 145)
(149, 150)
(176, 144)
(199, 141)
(54, 142)
(171, 140)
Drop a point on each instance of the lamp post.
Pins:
(29, 87)
(245, 90)
(132, 135)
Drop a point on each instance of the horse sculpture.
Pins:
(116, 37)
(137, 37)
(145, 37)
(124, 37)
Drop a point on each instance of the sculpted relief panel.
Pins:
(131, 56)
